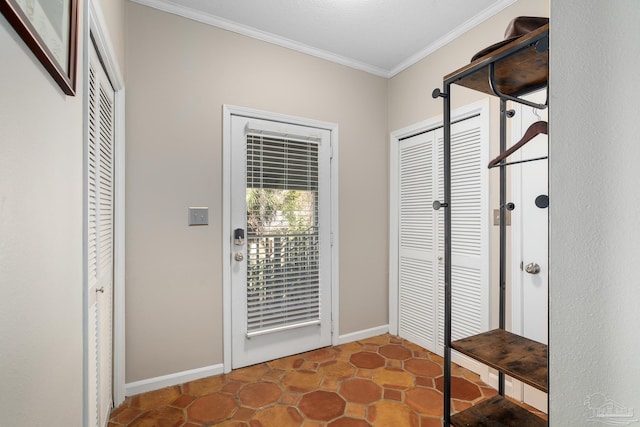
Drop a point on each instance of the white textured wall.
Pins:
(179, 74)
(40, 243)
(595, 207)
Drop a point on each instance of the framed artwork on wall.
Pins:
(50, 29)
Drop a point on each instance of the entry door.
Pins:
(100, 187)
(531, 229)
(421, 235)
(280, 239)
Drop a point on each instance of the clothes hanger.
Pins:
(534, 130)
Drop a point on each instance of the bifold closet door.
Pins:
(469, 231)
(418, 241)
(421, 235)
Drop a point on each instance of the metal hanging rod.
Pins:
(535, 159)
(504, 96)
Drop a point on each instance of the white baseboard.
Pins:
(363, 334)
(156, 383)
(521, 392)
(491, 379)
(472, 365)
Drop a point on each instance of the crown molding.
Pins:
(452, 35)
(205, 18)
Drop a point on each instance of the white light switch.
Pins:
(199, 216)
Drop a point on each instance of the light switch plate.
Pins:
(199, 216)
(496, 217)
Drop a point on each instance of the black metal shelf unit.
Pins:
(510, 72)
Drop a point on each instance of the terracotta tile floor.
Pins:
(384, 381)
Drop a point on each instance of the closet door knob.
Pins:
(532, 268)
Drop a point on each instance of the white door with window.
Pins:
(280, 239)
(420, 232)
(99, 241)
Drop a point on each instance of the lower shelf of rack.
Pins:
(516, 356)
(496, 412)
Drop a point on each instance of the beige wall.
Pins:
(179, 74)
(410, 98)
(410, 91)
(113, 12)
(40, 242)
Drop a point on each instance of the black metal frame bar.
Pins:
(535, 159)
(447, 254)
(503, 233)
(504, 96)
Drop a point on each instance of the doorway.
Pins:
(530, 267)
(281, 236)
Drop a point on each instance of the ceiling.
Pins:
(382, 37)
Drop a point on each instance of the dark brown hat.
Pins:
(518, 27)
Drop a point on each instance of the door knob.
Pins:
(532, 268)
(238, 256)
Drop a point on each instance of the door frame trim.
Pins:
(227, 112)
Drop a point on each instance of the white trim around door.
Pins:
(228, 112)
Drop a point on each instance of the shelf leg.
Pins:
(447, 257)
(503, 232)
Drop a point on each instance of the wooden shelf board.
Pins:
(516, 356)
(496, 412)
(523, 71)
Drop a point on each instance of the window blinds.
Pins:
(282, 233)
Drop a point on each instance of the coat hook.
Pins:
(438, 204)
(438, 94)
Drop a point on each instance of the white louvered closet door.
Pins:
(100, 186)
(469, 230)
(418, 241)
(421, 235)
